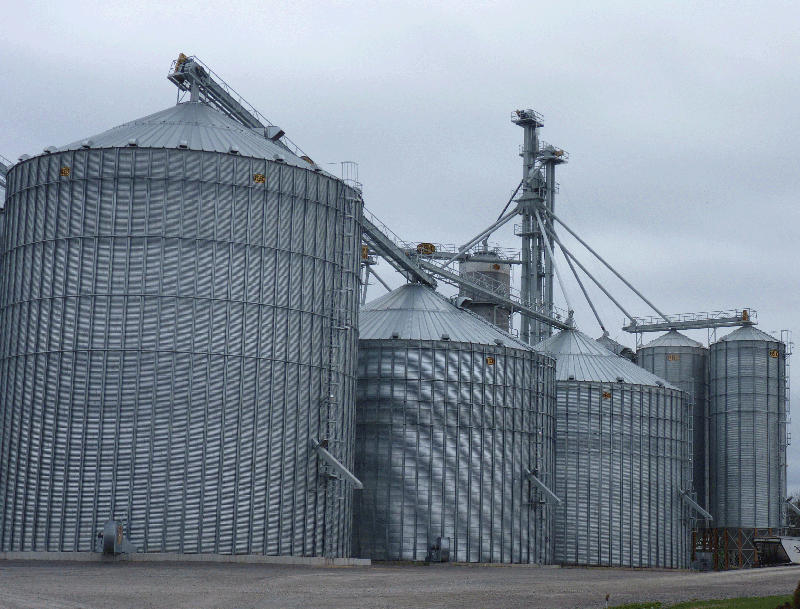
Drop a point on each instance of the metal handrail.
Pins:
(745, 314)
(504, 253)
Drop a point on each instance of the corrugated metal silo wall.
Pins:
(622, 457)
(167, 343)
(686, 368)
(500, 278)
(747, 434)
(442, 441)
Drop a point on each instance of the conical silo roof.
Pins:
(612, 345)
(750, 333)
(193, 126)
(580, 358)
(673, 338)
(417, 312)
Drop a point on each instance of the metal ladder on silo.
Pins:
(340, 324)
(786, 339)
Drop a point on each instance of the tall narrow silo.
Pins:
(622, 460)
(178, 326)
(747, 430)
(684, 363)
(452, 415)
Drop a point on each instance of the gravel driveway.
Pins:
(62, 585)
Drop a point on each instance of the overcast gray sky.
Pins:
(681, 119)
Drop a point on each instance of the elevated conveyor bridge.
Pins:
(421, 268)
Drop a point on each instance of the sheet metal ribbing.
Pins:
(165, 345)
(442, 442)
(622, 457)
(686, 367)
(747, 433)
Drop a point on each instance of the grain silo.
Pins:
(493, 271)
(177, 320)
(622, 460)
(684, 363)
(747, 430)
(454, 435)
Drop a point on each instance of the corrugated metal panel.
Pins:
(169, 331)
(417, 312)
(580, 358)
(684, 363)
(622, 457)
(442, 440)
(195, 126)
(747, 430)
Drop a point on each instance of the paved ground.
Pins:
(60, 585)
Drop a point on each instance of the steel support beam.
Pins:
(468, 256)
(697, 507)
(542, 487)
(698, 324)
(337, 465)
(383, 245)
(514, 304)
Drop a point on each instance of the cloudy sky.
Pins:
(681, 119)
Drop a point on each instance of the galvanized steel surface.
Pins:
(416, 312)
(747, 430)
(622, 457)
(192, 126)
(616, 348)
(498, 273)
(444, 432)
(684, 363)
(580, 358)
(172, 327)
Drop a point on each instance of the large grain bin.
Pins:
(178, 325)
(684, 363)
(451, 415)
(622, 460)
(747, 430)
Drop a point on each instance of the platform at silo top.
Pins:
(62, 585)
